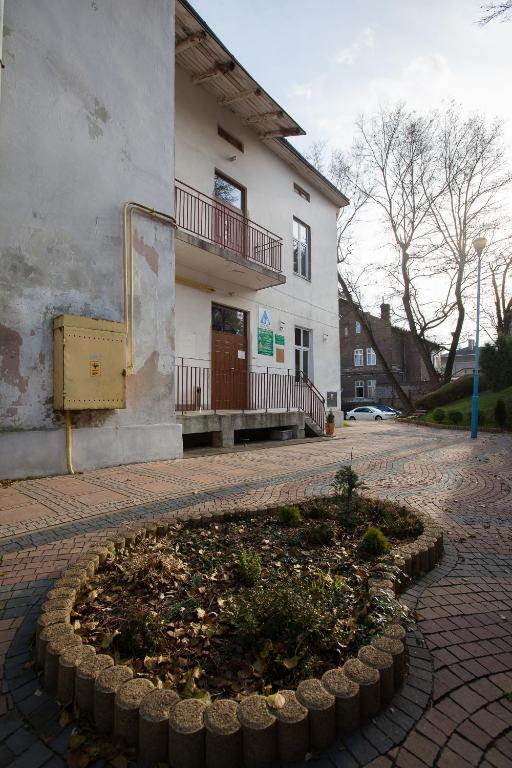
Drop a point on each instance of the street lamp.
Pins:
(478, 244)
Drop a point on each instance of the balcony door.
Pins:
(229, 358)
(230, 228)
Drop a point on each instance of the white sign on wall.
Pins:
(264, 318)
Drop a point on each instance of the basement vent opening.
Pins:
(229, 137)
(301, 192)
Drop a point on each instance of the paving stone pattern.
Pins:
(455, 709)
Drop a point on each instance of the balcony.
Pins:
(212, 239)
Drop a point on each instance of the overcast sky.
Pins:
(326, 61)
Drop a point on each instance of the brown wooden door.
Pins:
(229, 358)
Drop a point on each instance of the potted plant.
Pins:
(329, 424)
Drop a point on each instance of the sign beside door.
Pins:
(265, 342)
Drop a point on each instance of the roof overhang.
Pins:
(209, 63)
(293, 157)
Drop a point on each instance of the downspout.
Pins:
(150, 213)
(69, 444)
(1, 42)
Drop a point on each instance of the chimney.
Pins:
(471, 344)
(385, 312)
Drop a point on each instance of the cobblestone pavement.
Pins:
(456, 707)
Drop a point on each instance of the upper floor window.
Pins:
(358, 358)
(359, 388)
(358, 327)
(371, 389)
(228, 192)
(301, 249)
(345, 330)
(371, 357)
(302, 192)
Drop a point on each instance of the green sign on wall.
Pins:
(265, 342)
(279, 340)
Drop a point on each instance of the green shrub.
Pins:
(346, 482)
(456, 417)
(249, 568)
(439, 415)
(318, 535)
(500, 413)
(140, 634)
(482, 418)
(374, 542)
(317, 510)
(281, 613)
(496, 362)
(449, 393)
(289, 516)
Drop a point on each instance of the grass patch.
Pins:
(486, 406)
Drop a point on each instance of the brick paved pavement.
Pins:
(455, 710)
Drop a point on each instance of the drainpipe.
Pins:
(150, 213)
(1, 41)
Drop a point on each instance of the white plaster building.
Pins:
(256, 275)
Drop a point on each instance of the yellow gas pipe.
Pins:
(128, 209)
(69, 443)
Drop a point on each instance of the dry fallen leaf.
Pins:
(276, 701)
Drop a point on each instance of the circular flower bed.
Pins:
(248, 605)
(239, 640)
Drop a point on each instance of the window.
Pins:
(345, 330)
(358, 326)
(228, 320)
(302, 351)
(301, 192)
(231, 139)
(371, 357)
(359, 389)
(371, 389)
(301, 249)
(358, 358)
(228, 192)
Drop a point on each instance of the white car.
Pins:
(368, 413)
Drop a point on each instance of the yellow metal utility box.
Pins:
(89, 361)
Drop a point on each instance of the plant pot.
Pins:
(329, 428)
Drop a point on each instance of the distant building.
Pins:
(363, 379)
(464, 360)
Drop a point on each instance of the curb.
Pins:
(253, 733)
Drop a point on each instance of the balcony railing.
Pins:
(199, 388)
(213, 221)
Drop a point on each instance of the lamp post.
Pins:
(478, 244)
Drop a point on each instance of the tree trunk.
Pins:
(404, 397)
(418, 341)
(461, 313)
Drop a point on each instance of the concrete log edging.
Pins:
(252, 733)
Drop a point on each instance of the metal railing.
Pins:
(211, 220)
(200, 388)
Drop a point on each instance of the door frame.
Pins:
(247, 316)
(237, 212)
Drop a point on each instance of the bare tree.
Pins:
(464, 201)
(395, 150)
(345, 173)
(493, 11)
(500, 279)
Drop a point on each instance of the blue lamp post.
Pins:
(479, 245)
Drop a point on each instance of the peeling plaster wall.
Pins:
(86, 123)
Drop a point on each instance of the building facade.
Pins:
(363, 379)
(464, 361)
(139, 300)
(256, 280)
(86, 124)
